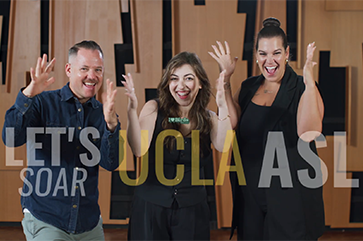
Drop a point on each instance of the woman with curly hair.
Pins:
(171, 205)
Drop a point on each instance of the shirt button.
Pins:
(79, 109)
(182, 154)
(74, 206)
(26, 105)
(79, 127)
(175, 191)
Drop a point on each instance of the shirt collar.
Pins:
(67, 94)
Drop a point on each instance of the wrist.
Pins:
(27, 93)
(227, 85)
(111, 126)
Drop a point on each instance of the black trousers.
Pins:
(149, 221)
(257, 219)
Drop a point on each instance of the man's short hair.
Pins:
(86, 44)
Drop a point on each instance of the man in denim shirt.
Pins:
(68, 134)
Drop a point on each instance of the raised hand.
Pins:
(309, 64)
(220, 95)
(109, 112)
(130, 91)
(40, 77)
(223, 57)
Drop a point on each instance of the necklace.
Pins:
(181, 120)
(268, 91)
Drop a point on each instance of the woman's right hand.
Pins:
(223, 57)
(130, 91)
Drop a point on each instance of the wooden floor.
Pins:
(120, 234)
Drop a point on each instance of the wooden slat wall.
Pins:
(346, 5)
(335, 31)
(332, 24)
(24, 39)
(210, 23)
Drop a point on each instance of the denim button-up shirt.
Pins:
(66, 143)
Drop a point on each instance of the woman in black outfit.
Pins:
(272, 113)
(170, 204)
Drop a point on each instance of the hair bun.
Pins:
(271, 22)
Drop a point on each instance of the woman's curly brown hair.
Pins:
(198, 114)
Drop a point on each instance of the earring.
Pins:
(287, 61)
(257, 61)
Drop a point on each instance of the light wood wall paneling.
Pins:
(135, 42)
(24, 38)
(344, 5)
(199, 27)
(69, 28)
(9, 57)
(1, 67)
(196, 28)
(174, 23)
(124, 6)
(10, 207)
(315, 27)
(51, 30)
(299, 46)
(335, 31)
(346, 50)
(258, 26)
(148, 29)
(25, 50)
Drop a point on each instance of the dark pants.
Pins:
(153, 222)
(257, 219)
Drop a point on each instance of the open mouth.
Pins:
(89, 84)
(183, 94)
(271, 70)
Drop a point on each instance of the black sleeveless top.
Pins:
(184, 193)
(252, 131)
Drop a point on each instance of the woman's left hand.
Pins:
(309, 64)
(220, 96)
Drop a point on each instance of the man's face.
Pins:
(85, 72)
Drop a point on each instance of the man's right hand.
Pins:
(39, 77)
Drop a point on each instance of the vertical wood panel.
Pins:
(299, 46)
(344, 5)
(124, 6)
(148, 29)
(10, 207)
(196, 29)
(135, 42)
(24, 48)
(9, 57)
(1, 67)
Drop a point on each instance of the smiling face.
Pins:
(272, 56)
(184, 85)
(85, 72)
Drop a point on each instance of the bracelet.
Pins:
(227, 85)
(223, 118)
